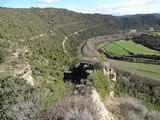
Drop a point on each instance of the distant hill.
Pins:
(43, 31)
(155, 14)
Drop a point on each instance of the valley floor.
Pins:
(149, 70)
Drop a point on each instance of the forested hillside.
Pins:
(141, 21)
(42, 31)
(33, 39)
(149, 41)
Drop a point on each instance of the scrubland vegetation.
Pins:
(133, 109)
(149, 41)
(102, 84)
(10, 89)
(3, 55)
(138, 86)
(71, 107)
(137, 80)
(39, 34)
(149, 97)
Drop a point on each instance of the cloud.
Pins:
(49, 1)
(129, 7)
(41, 5)
(122, 8)
(72, 8)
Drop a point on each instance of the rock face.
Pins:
(18, 67)
(78, 75)
(28, 75)
(107, 70)
(83, 86)
(24, 71)
(103, 112)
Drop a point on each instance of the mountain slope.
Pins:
(32, 42)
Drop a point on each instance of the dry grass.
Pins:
(142, 79)
(133, 109)
(30, 106)
(72, 108)
(149, 70)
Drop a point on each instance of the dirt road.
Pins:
(75, 33)
(89, 49)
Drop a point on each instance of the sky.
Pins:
(114, 7)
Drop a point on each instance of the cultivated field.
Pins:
(149, 70)
(116, 49)
(122, 47)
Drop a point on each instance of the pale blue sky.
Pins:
(115, 7)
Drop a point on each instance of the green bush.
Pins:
(149, 97)
(3, 55)
(103, 57)
(11, 88)
(101, 82)
(21, 57)
(1, 34)
(58, 90)
(41, 99)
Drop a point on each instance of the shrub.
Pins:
(29, 106)
(72, 108)
(135, 110)
(1, 34)
(103, 57)
(21, 57)
(3, 55)
(10, 89)
(138, 86)
(101, 82)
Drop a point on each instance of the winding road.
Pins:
(89, 49)
(75, 33)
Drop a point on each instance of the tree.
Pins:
(3, 55)
(1, 34)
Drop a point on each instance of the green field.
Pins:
(149, 70)
(155, 33)
(122, 47)
(116, 49)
